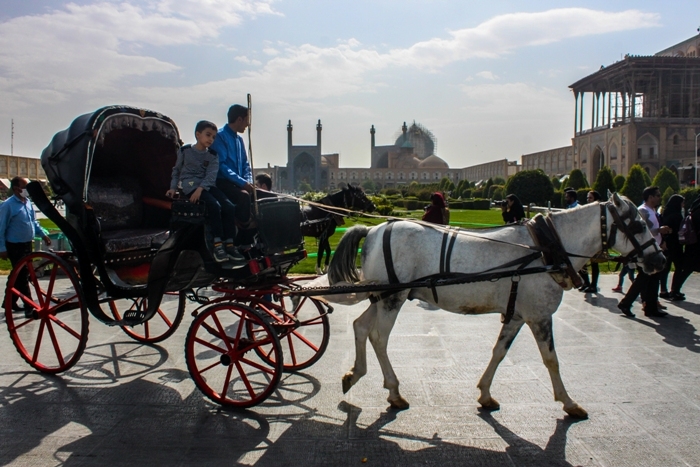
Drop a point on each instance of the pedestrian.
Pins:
(18, 227)
(571, 199)
(647, 284)
(691, 255)
(195, 170)
(625, 271)
(672, 217)
(590, 286)
(437, 212)
(513, 211)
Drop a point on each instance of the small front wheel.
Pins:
(163, 324)
(224, 361)
(46, 316)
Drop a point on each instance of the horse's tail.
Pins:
(342, 267)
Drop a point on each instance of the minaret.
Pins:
(404, 129)
(319, 127)
(289, 136)
(372, 132)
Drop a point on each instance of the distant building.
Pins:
(553, 162)
(13, 166)
(482, 172)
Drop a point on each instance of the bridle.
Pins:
(634, 227)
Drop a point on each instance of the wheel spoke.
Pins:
(223, 333)
(257, 366)
(300, 305)
(305, 340)
(39, 337)
(115, 312)
(15, 328)
(245, 380)
(209, 367)
(227, 381)
(65, 327)
(52, 281)
(34, 281)
(209, 345)
(56, 347)
(165, 318)
(291, 349)
(26, 299)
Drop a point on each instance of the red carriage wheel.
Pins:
(222, 359)
(302, 345)
(163, 324)
(51, 332)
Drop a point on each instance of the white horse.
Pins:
(416, 251)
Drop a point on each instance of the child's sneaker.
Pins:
(219, 254)
(233, 253)
(617, 289)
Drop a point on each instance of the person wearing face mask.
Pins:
(18, 227)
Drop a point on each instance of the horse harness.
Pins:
(548, 247)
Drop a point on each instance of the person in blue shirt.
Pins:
(570, 199)
(18, 227)
(235, 178)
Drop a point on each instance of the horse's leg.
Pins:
(508, 333)
(542, 330)
(319, 256)
(331, 231)
(387, 311)
(361, 326)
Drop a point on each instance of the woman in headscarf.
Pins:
(691, 256)
(437, 212)
(513, 211)
(672, 216)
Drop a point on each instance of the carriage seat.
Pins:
(118, 206)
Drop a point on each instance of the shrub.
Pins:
(666, 195)
(385, 209)
(424, 195)
(557, 199)
(497, 193)
(577, 180)
(690, 195)
(466, 193)
(412, 204)
(493, 189)
(619, 183)
(481, 204)
(604, 182)
(582, 195)
(391, 192)
(530, 186)
(478, 193)
(635, 184)
(647, 178)
(556, 183)
(666, 179)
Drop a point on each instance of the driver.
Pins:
(235, 177)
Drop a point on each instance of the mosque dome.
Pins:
(420, 139)
(433, 162)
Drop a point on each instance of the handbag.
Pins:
(185, 211)
(687, 234)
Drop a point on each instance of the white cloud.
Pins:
(83, 49)
(270, 51)
(487, 75)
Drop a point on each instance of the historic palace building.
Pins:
(641, 110)
(12, 166)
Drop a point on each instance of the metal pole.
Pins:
(12, 139)
(250, 153)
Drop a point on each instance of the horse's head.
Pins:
(634, 236)
(357, 200)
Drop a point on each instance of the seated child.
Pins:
(196, 170)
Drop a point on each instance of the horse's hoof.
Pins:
(398, 404)
(490, 404)
(347, 382)
(576, 411)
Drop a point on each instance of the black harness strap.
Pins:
(443, 248)
(386, 246)
(453, 238)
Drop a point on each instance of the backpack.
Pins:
(687, 234)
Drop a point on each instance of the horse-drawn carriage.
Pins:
(134, 265)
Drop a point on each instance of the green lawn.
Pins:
(460, 218)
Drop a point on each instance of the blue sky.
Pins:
(489, 79)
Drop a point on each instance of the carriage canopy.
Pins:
(112, 142)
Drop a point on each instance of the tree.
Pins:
(499, 181)
(304, 186)
(604, 182)
(556, 183)
(368, 185)
(530, 186)
(666, 179)
(619, 182)
(635, 184)
(486, 187)
(576, 180)
(647, 178)
(666, 195)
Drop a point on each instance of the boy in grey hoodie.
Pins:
(196, 170)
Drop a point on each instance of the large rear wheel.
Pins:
(46, 316)
(163, 324)
(223, 359)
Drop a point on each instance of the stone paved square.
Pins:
(125, 403)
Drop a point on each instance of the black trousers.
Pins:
(646, 285)
(15, 252)
(220, 212)
(238, 196)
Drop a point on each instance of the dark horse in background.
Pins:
(320, 222)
